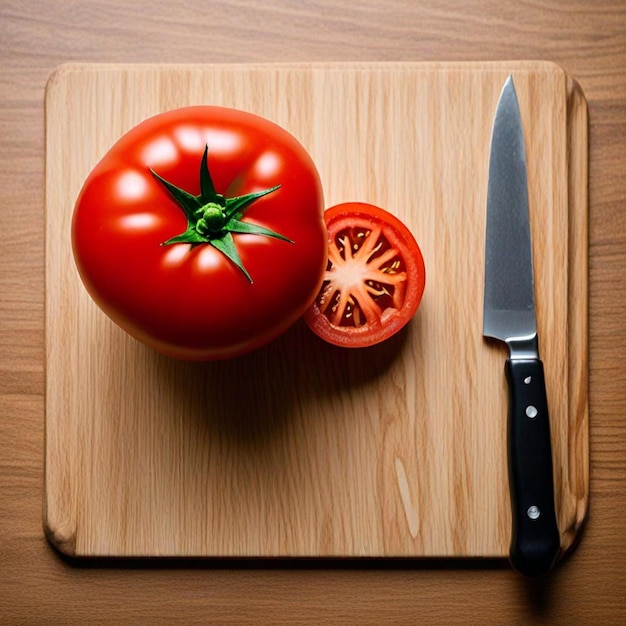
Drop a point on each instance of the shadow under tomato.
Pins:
(250, 400)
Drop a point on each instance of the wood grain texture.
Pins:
(395, 451)
(36, 587)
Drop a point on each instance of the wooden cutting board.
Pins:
(398, 450)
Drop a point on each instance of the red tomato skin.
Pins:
(350, 214)
(194, 303)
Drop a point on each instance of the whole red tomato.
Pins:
(374, 281)
(201, 232)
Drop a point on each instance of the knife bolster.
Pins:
(523, 348)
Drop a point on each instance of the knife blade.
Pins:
(509, 316)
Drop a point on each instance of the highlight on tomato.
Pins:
(201, 232)
(374, 279)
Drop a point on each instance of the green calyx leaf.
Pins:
(226, 245)
(212, 218)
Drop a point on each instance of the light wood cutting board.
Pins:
(398, 450)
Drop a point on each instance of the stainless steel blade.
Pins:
(509, 300)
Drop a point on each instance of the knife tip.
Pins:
(508, 87)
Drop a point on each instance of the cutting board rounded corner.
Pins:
(63, 540)
(57, 78)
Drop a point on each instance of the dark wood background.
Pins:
(36, 586)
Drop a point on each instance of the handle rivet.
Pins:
(533, 512)
(531, 411)
(527, 380)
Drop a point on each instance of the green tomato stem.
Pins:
(211, 217)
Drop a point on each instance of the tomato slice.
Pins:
(374, 278)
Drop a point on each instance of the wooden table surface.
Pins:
(36, 586)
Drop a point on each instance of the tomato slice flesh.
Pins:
(365, 276)
(374, 278)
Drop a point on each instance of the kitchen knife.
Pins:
(509, 316)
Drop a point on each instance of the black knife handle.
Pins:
(535, 541)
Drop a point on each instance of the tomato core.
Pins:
(363, 277)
